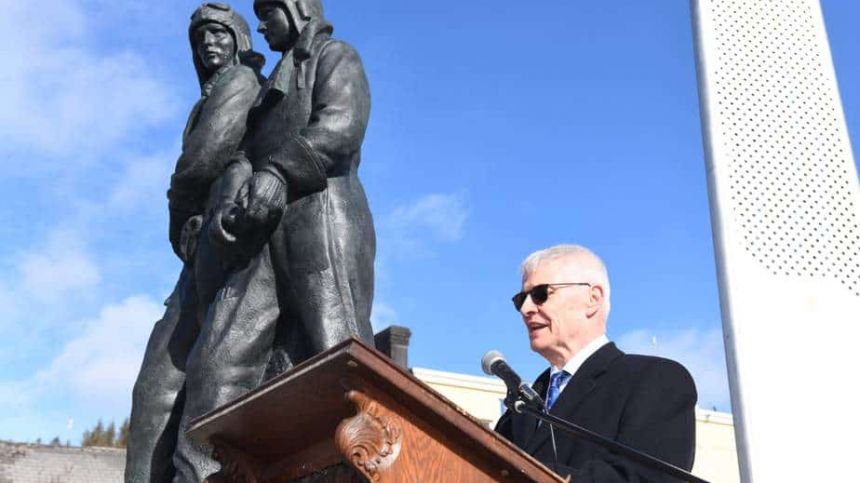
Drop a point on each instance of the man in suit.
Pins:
(641, 401)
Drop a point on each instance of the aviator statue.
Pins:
(270, 220)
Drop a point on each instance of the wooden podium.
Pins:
(350, 414)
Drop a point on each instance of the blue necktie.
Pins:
(555, 382)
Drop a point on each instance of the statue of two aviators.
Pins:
(271, 222)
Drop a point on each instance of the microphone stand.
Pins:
(518, 405)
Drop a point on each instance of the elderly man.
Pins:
(644, 402)
(228, 72)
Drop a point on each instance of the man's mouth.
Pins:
(534, 327)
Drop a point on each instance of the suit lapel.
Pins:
(576, 392)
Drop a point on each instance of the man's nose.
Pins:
(208, 38)
(261, 28)
(528, 306)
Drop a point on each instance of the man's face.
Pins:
(274, 25)
(215, 46)
(560, 326)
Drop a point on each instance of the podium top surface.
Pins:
(303, 407)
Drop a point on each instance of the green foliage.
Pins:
(106, 437)
(110, 435)
(122, 438)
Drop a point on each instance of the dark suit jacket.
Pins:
(642, 401)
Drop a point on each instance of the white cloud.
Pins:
(100, 365)
(57, 270)
(38, 422)
(410, 230)
(440, 216)
(73, 110)
(382, 315)
(60, 98)
(57, 21)
(91, 377)
(700, 351)
(14, 394)
(24, 418)
(144, 181)
(40, 289)
(10, 309)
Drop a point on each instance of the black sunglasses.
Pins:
(539, 293)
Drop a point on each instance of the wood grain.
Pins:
(353, 405)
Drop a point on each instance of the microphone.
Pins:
(520, 394)
(493, 363)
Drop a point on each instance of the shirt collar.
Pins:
(580, 357)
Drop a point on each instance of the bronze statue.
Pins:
(280, 249)
(304, 143)
(228, 72)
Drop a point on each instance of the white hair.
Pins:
(594, 271)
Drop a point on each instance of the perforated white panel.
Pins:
(778, 111)
(785, 206)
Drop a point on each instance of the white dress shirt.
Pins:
(578, 359)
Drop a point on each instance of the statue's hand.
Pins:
(188, 238)
(223, 222)
(267, 197)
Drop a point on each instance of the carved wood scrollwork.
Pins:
(370, 440)
(236, 466)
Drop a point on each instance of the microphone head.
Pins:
(489, 359)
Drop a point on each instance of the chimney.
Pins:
(394, 342)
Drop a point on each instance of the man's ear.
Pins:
(595, 299)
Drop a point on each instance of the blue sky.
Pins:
(498, 128)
